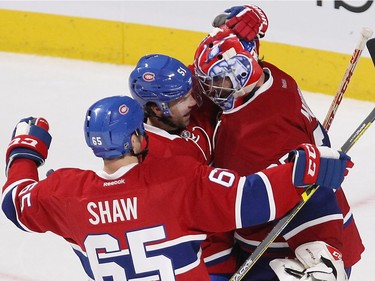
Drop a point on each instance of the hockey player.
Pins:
(264, 115)
(146, 221)
(176, 125)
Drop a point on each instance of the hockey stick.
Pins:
(366, 33)
(282, 223)
(371, 48)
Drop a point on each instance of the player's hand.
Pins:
(319, 165)
(30, 139)
(247, 22)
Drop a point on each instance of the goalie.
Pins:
(264, 115)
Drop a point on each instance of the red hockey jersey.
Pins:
(259, 134)
(146, 221)
(194, 141)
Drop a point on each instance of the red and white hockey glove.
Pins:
(247, 22)
(30, 139)
(315, 261)
(319, 165)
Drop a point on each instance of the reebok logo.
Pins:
(110, 183)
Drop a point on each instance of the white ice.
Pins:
(61, 90)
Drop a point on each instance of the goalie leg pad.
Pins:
(315, 261)
(318, 252)
(293, 270)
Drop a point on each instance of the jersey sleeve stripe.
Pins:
(254, 243)
(271, 200)
(217, 256)
(311, 223)
(8, 204)
(191, 265)
(348, 218)
(257, 202)
(238, 203)
(180, 240)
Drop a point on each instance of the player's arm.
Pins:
(27, 150)
(263, 195)
(248, 22)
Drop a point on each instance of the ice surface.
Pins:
(61, 90)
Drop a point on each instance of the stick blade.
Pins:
(371, 48)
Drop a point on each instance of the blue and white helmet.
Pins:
(109, 124)
(159, 79)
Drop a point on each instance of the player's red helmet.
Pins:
(222, 58)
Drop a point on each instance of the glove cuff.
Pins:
(21, 152)
(306, 164)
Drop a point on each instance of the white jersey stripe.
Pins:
(271, 200)
(256, 243)
(311, 223)
(238, 203)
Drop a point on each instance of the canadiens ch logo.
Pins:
(148, 76)
(123, 109)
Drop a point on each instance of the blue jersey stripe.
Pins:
(255, 205)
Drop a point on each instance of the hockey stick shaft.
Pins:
(282, 223)
(371, 49)
(359, 132)
(366, 33)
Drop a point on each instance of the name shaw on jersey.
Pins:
(123, 209)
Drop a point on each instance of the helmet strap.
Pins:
(150, 113)
(143, 153)
(164, 119)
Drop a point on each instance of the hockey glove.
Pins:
(30, 139)
(315, 261)
(319, 165)
(247, 22)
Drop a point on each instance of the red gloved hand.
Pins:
(247, 22)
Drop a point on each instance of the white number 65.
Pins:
(141, 262)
